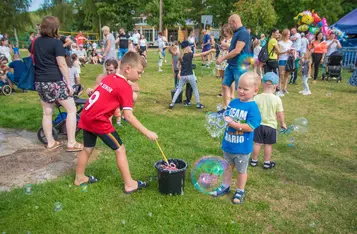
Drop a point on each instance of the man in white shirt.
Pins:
(332, 45)
(304, 44)
(136, 38)
(296, 39)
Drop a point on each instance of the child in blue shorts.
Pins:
(242, 117)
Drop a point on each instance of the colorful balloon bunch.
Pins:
(340, 34)
(310, 21)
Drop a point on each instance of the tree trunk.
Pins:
(15, 33)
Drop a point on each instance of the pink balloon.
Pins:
(324, 27)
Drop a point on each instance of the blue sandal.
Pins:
(220, 191)
(238, 195)
(141, 185)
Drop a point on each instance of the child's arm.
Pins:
(309, 71)
(129, 116)
(281, 118)
(78, 79)
(243, 127)
(203, 53)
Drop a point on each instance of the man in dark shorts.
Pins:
(114, 91)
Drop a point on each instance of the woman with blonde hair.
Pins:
(286, 49)
(227, 34)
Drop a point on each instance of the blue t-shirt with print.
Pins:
(206, 38)
(236, 142)
(240, 35)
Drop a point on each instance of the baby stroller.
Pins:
(59, 123)
(334, 67)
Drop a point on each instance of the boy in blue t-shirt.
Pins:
(242, 117)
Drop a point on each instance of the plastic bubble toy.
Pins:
(215, 124)
(300, 126)
(210, 173)
(245, 62)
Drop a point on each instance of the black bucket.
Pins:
(171, 182)
(179, 98)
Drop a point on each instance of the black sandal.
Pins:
(141, 185)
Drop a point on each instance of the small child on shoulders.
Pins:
(271, 110)
(242, 117)
(306, 71)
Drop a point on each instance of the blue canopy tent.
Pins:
(348, 24)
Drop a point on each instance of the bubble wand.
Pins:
(162, 152)
(169, 166)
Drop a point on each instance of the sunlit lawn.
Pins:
(312, 189)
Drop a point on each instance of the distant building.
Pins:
(176, 33)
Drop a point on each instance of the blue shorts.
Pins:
(282, 63)
(206, 48)
(231, 73)
(121, 52)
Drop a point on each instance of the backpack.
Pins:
(27, 79)
(290, 64)
(264, 54)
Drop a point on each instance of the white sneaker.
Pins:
(307, 93)
(160, 70)
(279, 94)
(302, 91)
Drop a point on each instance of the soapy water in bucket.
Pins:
(210, 173)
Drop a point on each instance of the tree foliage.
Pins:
(259, 15)
(174, 12)
(13, 14)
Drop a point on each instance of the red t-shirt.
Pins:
(80, 39)
(113, 92)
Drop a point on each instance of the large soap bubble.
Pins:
(210, 173)
(301, 125)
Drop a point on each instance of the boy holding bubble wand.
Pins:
(271, 110)
(114, 91)
(242, 117)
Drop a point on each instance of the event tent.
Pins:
(348, 23)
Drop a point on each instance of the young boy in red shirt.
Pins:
(113, 91)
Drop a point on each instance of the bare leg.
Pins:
(123, 165)
(267, 152)
(226, 95)
(232, 90)
(83, 157)
(71, 120)
(242, 180)
(256, 151)
(47, 122)
(286, 78)
(282, 72)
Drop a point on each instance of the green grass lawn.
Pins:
(312, 189)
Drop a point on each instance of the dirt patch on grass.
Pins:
(24, 160)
